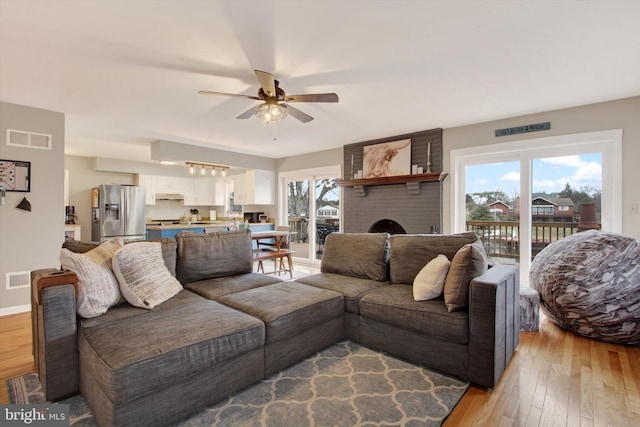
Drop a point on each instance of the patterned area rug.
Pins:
(344, 385)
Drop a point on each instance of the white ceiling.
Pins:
(126, 73)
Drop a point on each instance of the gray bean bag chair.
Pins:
(589, 283)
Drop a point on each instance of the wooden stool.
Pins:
(278, 257)
(529, 309)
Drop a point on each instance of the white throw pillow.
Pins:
(145, 281)
(97, 286)
(429, 282)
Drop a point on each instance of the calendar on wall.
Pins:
(15, 175)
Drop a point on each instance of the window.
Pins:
(525, 162)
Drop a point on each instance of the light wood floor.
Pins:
(556, 378)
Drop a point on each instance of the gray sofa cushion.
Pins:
(394, 305)
(126, 310)
(220, 286)
(204, 256)
(364, 255)
(288, 308)
(353, 288)
(410, 252)
(163, 347)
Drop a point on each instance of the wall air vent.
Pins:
(19, 138)
(20, 279)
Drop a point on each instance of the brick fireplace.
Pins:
(416, 213)
(415, 206)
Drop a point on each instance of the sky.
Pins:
(549, 175)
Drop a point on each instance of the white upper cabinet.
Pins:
(220, 193)
(149, 184)
(200, 192)
(255, 187)
(171, 184)
(239, 194)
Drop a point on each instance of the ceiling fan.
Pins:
(274, 108)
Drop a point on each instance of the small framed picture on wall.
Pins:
(15, 175)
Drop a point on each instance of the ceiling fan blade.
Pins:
(312, 97)
(249, 112)
(267, 82)
(206, 92)
(303, 117)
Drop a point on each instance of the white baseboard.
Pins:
(15, 309)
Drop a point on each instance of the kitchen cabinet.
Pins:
(255, 187)
(220, 193)
(149, 184)
(171, 184)
(239, 196)
(200, 192)
(196, 191)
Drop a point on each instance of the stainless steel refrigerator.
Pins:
(117, 211)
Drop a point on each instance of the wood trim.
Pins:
(57, 278)
(398, 179)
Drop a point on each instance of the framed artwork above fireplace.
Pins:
(387, 159)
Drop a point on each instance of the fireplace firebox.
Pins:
(387, 226)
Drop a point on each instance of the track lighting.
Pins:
(205, 166)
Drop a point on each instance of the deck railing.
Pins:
(501, 238)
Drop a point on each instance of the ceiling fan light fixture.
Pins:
(271, 112)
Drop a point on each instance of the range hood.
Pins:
(169, 196)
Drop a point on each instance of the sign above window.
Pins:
(523, 129)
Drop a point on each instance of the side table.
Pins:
(529, 310)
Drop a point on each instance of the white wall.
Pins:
(31, 240)
(620, 114)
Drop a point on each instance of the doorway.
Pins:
(309, 202)
(528, 202)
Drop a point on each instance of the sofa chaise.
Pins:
(226, 327)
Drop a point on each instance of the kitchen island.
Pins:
(155, 230)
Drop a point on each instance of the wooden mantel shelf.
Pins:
(399, 179)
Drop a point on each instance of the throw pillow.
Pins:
(144, 279)
(97, 286)
(469, 262)
(429, 282)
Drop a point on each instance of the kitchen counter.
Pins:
(156, 230)
(170, 230)
(190, 225)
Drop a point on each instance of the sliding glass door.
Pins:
(309, 203)
(522, 196)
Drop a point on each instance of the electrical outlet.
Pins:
(633, 209)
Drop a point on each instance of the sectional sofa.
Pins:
(163, 354)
